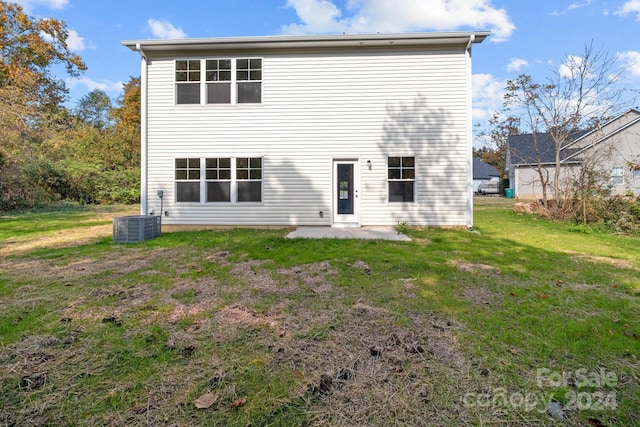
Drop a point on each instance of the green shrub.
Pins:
(619, 214)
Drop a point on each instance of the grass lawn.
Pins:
(523, 322)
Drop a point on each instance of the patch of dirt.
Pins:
(120, 262)
(479, 295)
(316, 277)
(240, 316)
(583, 287)
(618, 263)
(182, 310)
(470, 267)
(259, 279)
(366, 370)
(362, 265)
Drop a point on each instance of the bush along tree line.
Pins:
(580, 96)
(50, 152)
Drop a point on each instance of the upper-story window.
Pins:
(249, 77)
(218, 81)
(218, 78)
(188, 81)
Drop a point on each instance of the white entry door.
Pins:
(346, 198)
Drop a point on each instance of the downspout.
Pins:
(472, 38)
(144, 198)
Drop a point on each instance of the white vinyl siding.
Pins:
(364, 105)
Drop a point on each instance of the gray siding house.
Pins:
(338, 130)
(613, 150)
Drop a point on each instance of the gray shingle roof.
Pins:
(483, 171)
(522, 149)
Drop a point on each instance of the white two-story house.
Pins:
(332, 130)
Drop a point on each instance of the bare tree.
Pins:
(581, 94)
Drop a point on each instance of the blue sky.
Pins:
(527, 37)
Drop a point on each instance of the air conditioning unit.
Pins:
(136, 228)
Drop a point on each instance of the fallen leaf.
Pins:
(238, 403)
(297, 374)
(596, 422)
(206, 400)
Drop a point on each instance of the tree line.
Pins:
(49, 152)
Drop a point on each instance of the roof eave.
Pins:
(322, 41)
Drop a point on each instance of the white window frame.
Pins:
(249, 179)
(218, 179)
(214, 82)
(237, 82)
(617, 175)
(233, 82)
(177, 180)
(390, 180)
(233, 181)
(186, 82)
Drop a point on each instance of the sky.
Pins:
(527, 37)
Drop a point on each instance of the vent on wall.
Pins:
(136, 228)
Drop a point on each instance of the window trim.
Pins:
(177, 180)
(218, 168)
(186, 82)
(233, 182)
(233, 82)
(249, 168)
(401, 168)
(617, 176)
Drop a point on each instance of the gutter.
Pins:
(472, 39)
(144, 197)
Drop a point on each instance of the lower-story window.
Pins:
(249, 179)
(402, 179)
(188, 180)
(219, 179)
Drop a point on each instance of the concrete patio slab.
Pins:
(365, 233)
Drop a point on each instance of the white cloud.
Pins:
(49, 4)
(89, 84)
(317, 16)
(487, 94)
(578, 5)
(164, 29)
(75, 42)
(384, 16)
(631, 60)
(571, 67)
(516, 64)
(630, 7)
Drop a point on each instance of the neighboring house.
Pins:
(612, 149)
(483, 172)
(338, 130)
